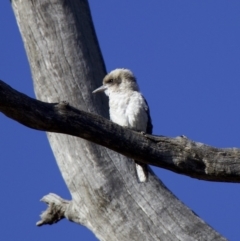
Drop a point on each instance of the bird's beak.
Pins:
(100, 89)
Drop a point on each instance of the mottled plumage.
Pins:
(127, 106)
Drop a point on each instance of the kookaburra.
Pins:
(127, 107)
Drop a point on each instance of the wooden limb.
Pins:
(179, 154)
(55, 211)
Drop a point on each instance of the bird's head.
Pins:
(118, 80)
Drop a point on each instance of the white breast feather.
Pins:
(128, 110)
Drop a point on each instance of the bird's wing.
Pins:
(149, 123)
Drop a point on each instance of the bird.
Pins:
(127, 107)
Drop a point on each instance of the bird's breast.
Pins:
(128, 109)
(118, 105)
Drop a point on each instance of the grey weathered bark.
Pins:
(66, 64)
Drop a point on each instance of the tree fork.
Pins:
(66, 64)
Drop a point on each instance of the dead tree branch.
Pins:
(179, 154)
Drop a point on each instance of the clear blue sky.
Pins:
(186, 56)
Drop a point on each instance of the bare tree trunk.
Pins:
(66, 65)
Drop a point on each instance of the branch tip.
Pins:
(55, 210)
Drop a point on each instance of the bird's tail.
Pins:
(142, 171)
